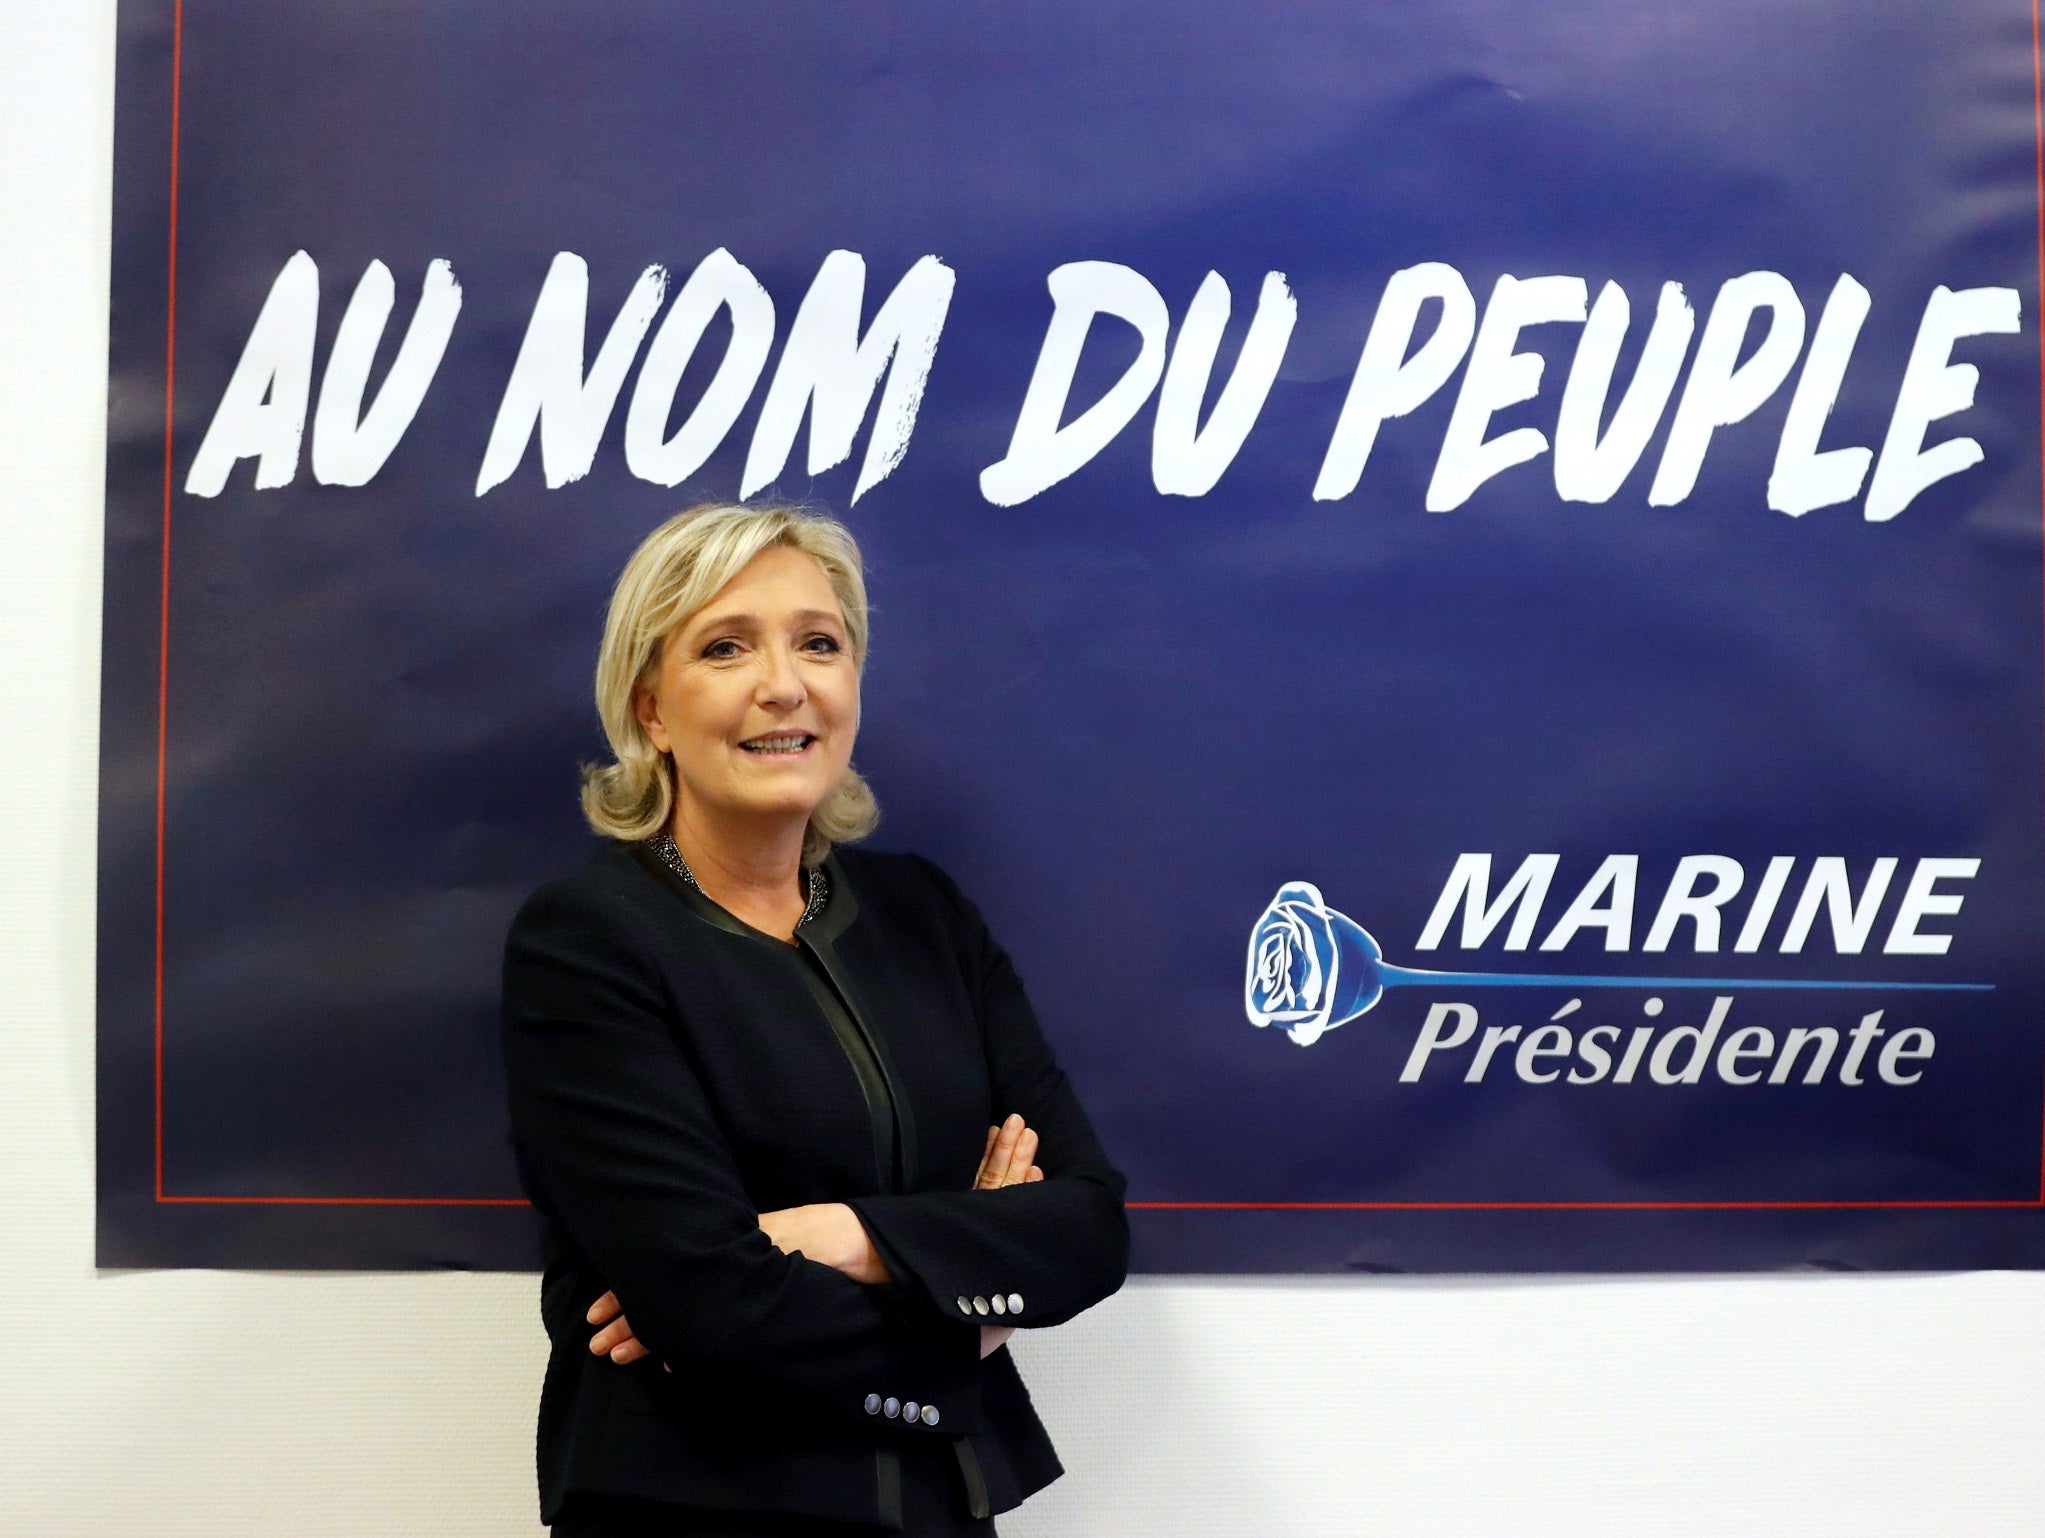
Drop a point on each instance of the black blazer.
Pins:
(673, 1073)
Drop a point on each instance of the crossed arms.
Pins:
(624, 1150)
(831, 1232)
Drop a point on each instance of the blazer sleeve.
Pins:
(1060, 1244)
(621, 1139)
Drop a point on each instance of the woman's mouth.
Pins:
(782, 745)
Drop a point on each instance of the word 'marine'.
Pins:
(1705, 893)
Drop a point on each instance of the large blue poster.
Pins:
(1462, 583)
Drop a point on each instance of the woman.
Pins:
(799, 1150)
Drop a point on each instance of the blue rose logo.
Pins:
(1310, 968)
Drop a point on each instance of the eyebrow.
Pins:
(752, 622)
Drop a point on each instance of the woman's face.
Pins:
(756, 696)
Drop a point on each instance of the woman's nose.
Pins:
(781, 683)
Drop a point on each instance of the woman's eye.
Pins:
(821, 643)
(721, 650)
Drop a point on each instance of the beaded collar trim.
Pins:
(664, 850)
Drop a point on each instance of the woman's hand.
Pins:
(615, 1339)
(831, 1232)
(1007, 1158)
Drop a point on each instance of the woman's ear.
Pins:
(647, 708)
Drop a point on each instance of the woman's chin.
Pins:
(767, 788)
(797, 797)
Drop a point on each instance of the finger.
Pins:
(994, 1163)
(1020, 1157)
(628, 1353)
(1004, 1146)
(611, 1336)
(980, 1175)
(1005, 1168)
(604, 1309)
(1034, 1174)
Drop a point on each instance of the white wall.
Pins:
(145, 1403)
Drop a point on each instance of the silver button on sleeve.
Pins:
(980, 1306)
(930, 1415)
(909, 1409)
(891, 1407)
(873, 1404)
(1000, 1304)
(965, 1305)
(1015, 1302)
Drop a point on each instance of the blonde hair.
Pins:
(676, 570)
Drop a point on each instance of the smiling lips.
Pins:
(785, 744)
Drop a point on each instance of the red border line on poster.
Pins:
(162, 759)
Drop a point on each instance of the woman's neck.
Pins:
(753, 872)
